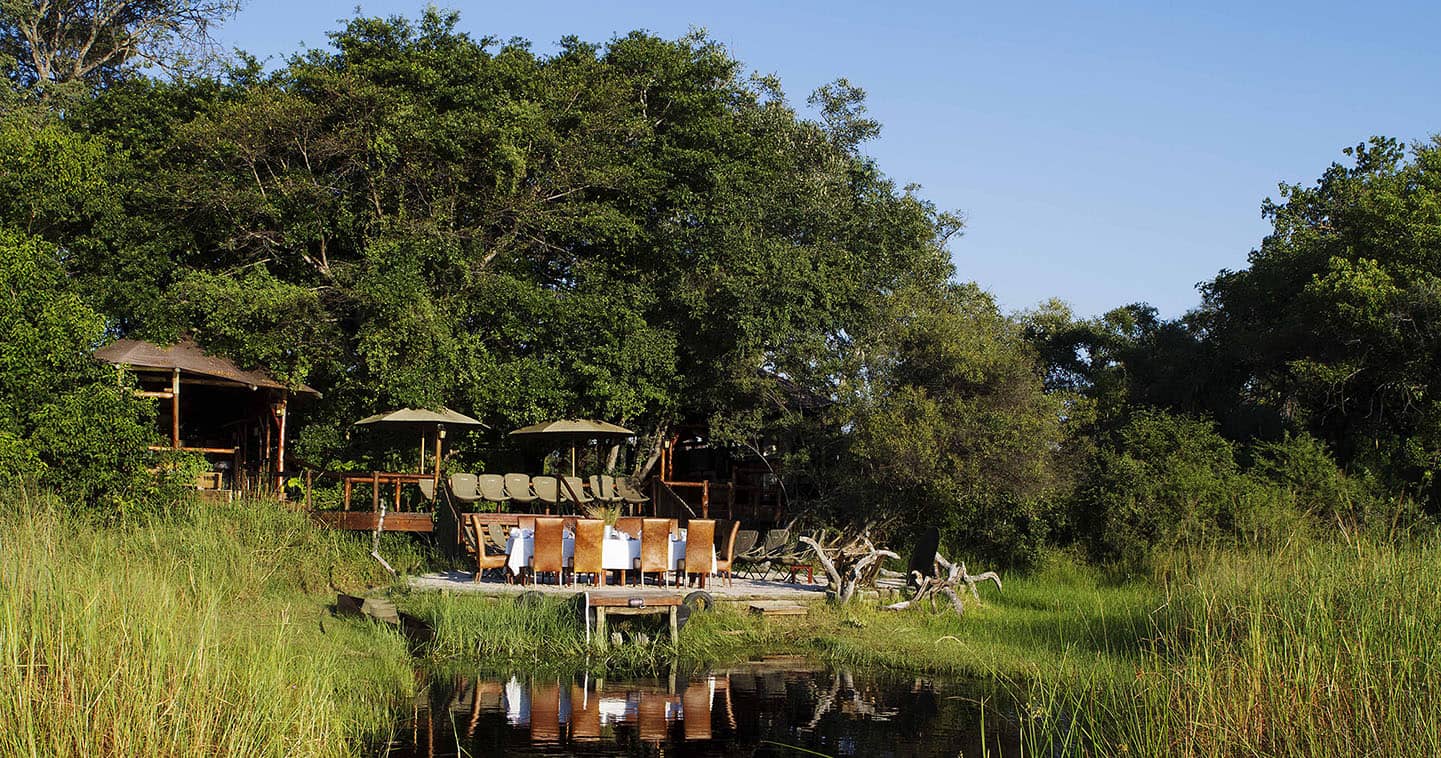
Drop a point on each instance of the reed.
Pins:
(203, 633)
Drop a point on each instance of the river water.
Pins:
(771, 708)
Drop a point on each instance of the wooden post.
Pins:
(674, 628)
(439, 436)
(280, 445)
(705, 499)
(309, 484)
(175, 409)
(375, 491)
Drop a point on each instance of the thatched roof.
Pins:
(190, 358)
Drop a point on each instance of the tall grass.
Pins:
(200, 634)
(1321, 649)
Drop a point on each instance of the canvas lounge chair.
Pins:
(463, 487)
(572, 490)
(602, 488)
(492, 489)
(547, 490)
(517, 489)
(629, 493)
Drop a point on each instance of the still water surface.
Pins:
(785, 708)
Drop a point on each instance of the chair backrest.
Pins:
(492, 488)
(655, 544)
(526, 522)
(463, 486)
(470, 533)
(574, 490)
(517, 487)
(924, 558)
(427, 488)
(546, 489)
(745, 540)
(497, 534)
(727, 552)
(602, 488)
(549, 545)
(589, 538)
(630, 525)
(776, 539)
(700, 546)
(628, 492)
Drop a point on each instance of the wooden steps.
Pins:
(777, 608)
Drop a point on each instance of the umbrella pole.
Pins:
(423, 444)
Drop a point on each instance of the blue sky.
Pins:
(1103, 153)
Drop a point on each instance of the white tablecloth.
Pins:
(617, 552)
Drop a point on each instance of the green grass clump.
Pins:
(204, 633)
(1319, 649)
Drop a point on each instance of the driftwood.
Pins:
(929, 587)
(850, 565)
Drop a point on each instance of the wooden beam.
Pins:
(162, 395)
(280, 445)
(185, 449)
(175, 409)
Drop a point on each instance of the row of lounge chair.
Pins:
(552, 491)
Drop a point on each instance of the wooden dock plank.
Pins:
(777, 608)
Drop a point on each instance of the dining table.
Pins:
(619, 551)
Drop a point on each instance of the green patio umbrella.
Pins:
(425, 419)
(573, 430)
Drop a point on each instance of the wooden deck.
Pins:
(744, 590)
(366, 521)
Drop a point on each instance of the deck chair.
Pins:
(517, 489)
(572, 490)
(497, 536)
(654, 549)
(629, 493)
(763, 558)
(699, 551)
(549, 555)
(725, 554)
(602, 488)
(547, 490)
(463, 488)
(589, 539)
(492, 488)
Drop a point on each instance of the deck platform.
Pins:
(744, 590)
(366, 521)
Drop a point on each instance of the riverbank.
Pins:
(210, 632)
(206, 633)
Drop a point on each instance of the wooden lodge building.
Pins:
(208, 405)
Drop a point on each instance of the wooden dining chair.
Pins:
(547, 490)
(726, 555)
(484, 559)
(589, 539)
(699, 551)
(526, 523)
(654, 548)
(630, 525)
(549, 554)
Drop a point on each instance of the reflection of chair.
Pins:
(699, 550)
(492, 488)
(549, 556)
(697, 704)
(727, 554)
(650, 717)
(654, 548)
(462, 488)
(589, 539)
(584, 715)
(545, 714)
(572, 489)
(517, 489)
(547, 490)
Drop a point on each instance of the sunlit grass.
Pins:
(201, 634)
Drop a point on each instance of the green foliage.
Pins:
(65, 420)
